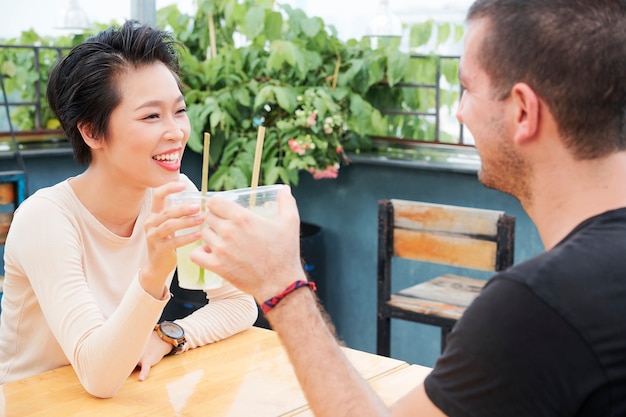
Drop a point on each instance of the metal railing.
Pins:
(430, 113)
(27, 65)
(411, 120)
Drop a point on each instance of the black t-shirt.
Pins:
(546, 337)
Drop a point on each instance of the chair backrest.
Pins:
(444, 234)
(456, 236)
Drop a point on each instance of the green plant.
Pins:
(25, 63)
(251, 63)
(290, 71)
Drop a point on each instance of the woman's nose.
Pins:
(176, 129)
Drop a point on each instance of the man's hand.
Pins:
(259, 255)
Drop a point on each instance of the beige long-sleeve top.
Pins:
(72, 296)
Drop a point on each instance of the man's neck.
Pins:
(567, 195)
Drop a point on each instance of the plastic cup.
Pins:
(261, 200)
(190, 275)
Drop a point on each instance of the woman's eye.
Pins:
(183, 110)
(152, 116)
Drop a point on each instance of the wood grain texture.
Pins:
(248, 374)
(445, 296)
(446, 219)
(459, 250)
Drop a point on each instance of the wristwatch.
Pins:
(172, 333)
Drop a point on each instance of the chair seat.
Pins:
(445, 296)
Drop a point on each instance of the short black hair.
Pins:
(82, 85)
(573, 54)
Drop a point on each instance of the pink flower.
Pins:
(331, 171)
(311, 119)
(339, 149)
(296, 146)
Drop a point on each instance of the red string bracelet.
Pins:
(271, 303)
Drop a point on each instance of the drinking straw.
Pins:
(205, 163)
(258, 153)
(205, 182)
(213, 50)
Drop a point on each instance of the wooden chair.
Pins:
(472, 238)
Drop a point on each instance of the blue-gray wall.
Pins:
(346, 209)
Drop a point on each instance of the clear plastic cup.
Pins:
(190, 275)
(260, 199)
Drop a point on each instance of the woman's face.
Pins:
(147, 131)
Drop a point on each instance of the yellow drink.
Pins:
(190, 275)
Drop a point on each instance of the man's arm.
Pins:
(261, 256)
(331, 384)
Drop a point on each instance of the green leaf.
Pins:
(255, 20)
(458, 33)
(242, 96)
(216, 117)
(443, 33)
(239, 178)
(273, 26)
(281, 52)
(311, 26)
(420, 34)
(264, 96)
(289, 176)
(286, 98)
(198, 114)
(233, 146)
(450, 70)
(396, 68)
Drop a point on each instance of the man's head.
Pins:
(82, 87)
(572, 53)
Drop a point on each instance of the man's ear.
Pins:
(86, 131)
(526, 107)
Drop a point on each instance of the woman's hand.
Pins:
(160, 227)
(155, 350)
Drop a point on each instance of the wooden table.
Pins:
(245, 375)
(390, 386)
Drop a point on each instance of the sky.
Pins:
(348, 16)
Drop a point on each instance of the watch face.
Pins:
(172, 330)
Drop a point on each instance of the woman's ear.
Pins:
(526, 107)
(86, 131)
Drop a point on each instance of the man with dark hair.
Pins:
(545, 99)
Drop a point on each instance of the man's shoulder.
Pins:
(596, 245)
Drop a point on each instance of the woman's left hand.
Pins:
(155, 350)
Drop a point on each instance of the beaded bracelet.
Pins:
(271, 303)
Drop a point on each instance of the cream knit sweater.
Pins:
(72, 296)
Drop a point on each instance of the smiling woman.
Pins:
(90, 259)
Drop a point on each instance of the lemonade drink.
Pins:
(190, 275)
